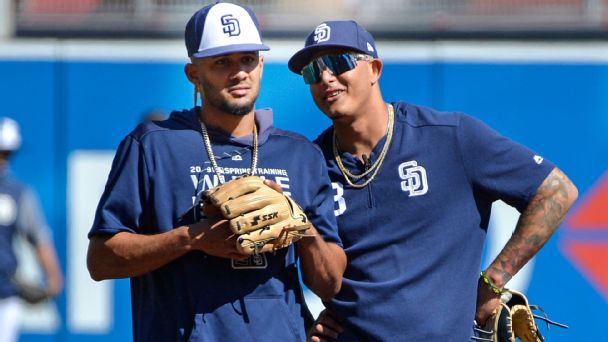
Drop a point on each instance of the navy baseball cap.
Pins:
(223, 28)
(333, 34)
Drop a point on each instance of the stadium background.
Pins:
(537, 74)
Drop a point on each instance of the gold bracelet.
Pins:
(491, 286)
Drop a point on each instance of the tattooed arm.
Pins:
(536, 224)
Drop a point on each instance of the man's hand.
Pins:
(487, 302)
(326, 328)
(215, 239)
(263, 218)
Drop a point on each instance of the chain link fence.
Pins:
(283, 18)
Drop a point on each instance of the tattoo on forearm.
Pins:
(536, 225)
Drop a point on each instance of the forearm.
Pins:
(129, 255)
(50, 265)
(322, 265)
(537, 223)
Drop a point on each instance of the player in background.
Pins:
(188, 280)
(414, 189)
(20, 214)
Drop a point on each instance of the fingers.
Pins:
(315, 338)
(276, 187)
(328, 323)
(215, 238)
(326, 328)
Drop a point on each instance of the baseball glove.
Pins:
(264, 219)
(31, 293)
(514, 318)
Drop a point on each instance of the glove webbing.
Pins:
(545, 318)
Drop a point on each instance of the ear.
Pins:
(261, 61)
(376, 67)
(191, 71)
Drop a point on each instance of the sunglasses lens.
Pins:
(311, 73)
(337, 64)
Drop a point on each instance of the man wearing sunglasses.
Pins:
(413, 194)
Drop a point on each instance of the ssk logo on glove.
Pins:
(263, 218)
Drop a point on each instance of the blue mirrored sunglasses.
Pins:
(337, 64)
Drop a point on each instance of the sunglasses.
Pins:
(336, 64)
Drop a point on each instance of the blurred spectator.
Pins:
(20, 214)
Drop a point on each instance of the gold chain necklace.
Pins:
(376, 166)
(216, 168)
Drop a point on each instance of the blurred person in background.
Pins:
(21, 214)
(414, 190)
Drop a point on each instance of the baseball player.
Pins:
(414, 189)
(20, 214)
(193, 276)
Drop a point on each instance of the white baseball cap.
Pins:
(223, 28)
(10, 138)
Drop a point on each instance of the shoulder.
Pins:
(420, 116)
(146, 129)
(295, 139)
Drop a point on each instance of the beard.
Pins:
(235, 109)
(212, 96)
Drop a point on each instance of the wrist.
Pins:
(491, 284)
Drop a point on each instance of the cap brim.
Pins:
(224, 50)
(299, 60)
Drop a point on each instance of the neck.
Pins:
(236, 125)
(360, 135)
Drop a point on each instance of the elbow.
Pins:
(335, 278)
(572, 194)
(325, 285)
(96, 262)
(96, 276)
(95, 271)
(328, 286)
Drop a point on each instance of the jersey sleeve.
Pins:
(321, 209)
(501, 168)
(122, 203)
(31, 222)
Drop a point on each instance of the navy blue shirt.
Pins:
(414, 235)
(157, 176)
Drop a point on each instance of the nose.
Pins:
(326, 75)
(239, 74)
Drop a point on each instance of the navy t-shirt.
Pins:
(414, 235)
(157, 176)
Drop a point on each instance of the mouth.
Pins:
(239, 91)
(332, 95)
